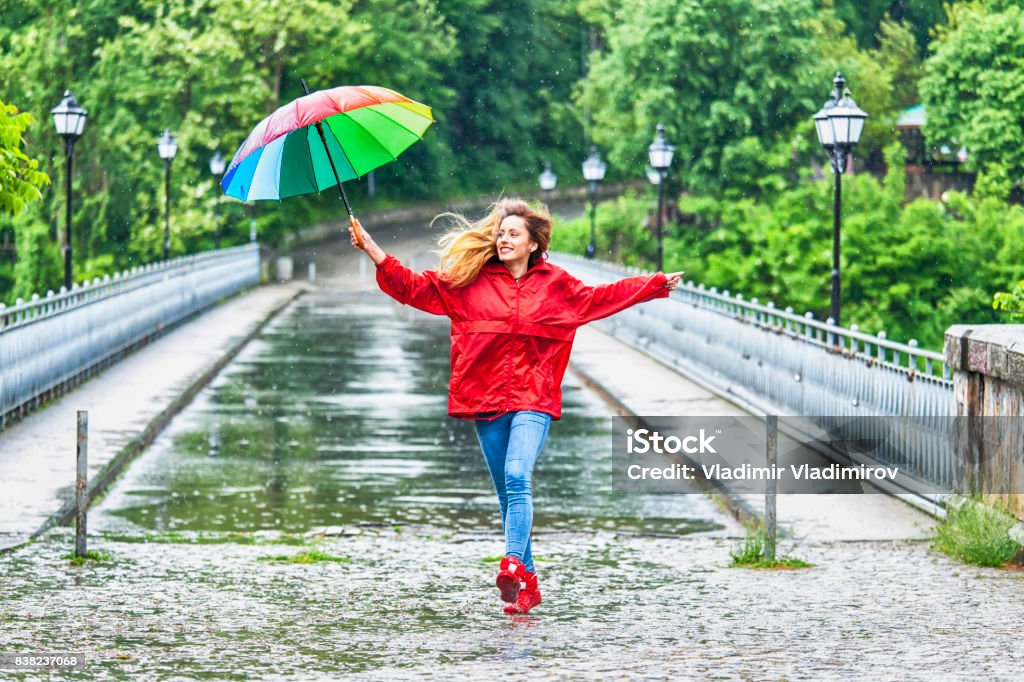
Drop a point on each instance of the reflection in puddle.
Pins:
(336, 415)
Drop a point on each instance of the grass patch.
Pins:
(312, 556)
(90, 555)
(751, 554)
(208, 538)
(976, 533)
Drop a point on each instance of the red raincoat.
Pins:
(511, 340)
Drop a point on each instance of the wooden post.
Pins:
(772, 426)
(80, 482)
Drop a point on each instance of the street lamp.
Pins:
(839, 125)
(548, 180)
(168, 147)
(593, 173)
(659, 153)
(69, 120)
(217, 166)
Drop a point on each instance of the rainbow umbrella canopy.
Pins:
(323, 139)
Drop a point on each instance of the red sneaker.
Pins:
(510, 575)
(529, 596)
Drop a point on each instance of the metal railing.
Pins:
(50, 343)
(775, 361)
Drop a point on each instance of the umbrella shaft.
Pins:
(323, 139)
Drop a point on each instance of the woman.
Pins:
(514, 316)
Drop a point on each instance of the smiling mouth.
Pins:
(505, 250)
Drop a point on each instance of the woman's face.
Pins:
(514, 242)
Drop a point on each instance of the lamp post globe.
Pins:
(839, 124)
(548, 181)
(167, 146)
(218, 164)
(653, 176)
(217, 168)
(660, 153)
(69, 121)
(593, 172)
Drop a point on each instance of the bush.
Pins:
(39, 266)
(751, 553)
(976, 533)
(621, 235)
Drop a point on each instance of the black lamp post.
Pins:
(548, 180)
(593, 173)
(659, 153)
(839, 125)
(217, 166)
(168, 147)
(69, 120)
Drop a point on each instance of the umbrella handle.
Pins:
(344, 198)
(356, 231)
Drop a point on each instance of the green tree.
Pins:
(911, 270)
(864, 18)
(20, 177)
(729, 79)
(39, 267)
(512, 76)
(973, 90)
(38, 264)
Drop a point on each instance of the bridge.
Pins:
(301, 415)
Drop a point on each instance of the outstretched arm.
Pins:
(595, 303)
(399, 282)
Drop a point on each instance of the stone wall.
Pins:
(988, 381)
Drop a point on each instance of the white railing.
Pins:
(775, 361)
(49, 343)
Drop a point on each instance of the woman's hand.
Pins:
(673, 280)
(369, 246)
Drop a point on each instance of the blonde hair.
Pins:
(468, 246)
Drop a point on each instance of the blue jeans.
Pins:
(511, 444)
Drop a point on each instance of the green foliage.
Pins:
(1011, 302)
(514, 66)
(311, 556)
(752, 553)
(882, 81)
(90, 555)
(728, 78)
(976, 533)
(899, 57)
(973, 90)
(20, 179)
(210, 70)
(622, 231)
(863, 18)
(911, 270)
(39, 267)
(736, 83)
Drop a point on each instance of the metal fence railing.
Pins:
(775, 361)
(49, 343)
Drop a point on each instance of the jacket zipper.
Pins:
(515, 340)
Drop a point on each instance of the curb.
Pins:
(102, 480)
(738, 508)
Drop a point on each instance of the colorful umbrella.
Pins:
(324, 139)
